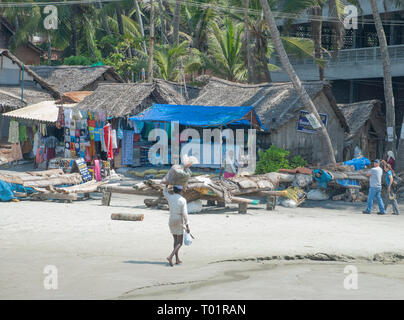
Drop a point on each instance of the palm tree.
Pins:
(387, 81)
(176, 22)
(225, 45)
(151, 42)
(170, 60)
(327, 149)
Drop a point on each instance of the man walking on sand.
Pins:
(178, 218)
(375, 188)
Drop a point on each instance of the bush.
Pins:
(298, 161)
(274, 158)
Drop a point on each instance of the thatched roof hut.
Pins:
(10, 97)
(367, 125)
(275, 103)
(36, 89)
(77, 78)
(124, 99)
(280, 109)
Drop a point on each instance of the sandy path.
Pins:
(100, 258)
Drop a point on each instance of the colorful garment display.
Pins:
(22, 133)
(107, 138)
(127, 147)
(13, 132)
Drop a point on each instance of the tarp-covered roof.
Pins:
(199, 116)
(45, 111)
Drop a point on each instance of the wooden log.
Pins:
(127, 216)
(129, 190)
(73, 178)
(90, 186)
(46, 173)
(242, 208)
(244, 200)
(271, 202)
(11, 179)
(106, 198)
(54, 196)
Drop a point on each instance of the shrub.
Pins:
(274, 158)
(298, 161)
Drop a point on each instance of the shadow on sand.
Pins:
(147, 262)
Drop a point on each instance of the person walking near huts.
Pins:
(375, 188)
(178, 218)
(389, 194)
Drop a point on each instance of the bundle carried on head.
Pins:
(180, 174)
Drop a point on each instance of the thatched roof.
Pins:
(275, 103)
(356, 115)
(10, 97)
(124, 99)
(76, 78)
(38, 79)
(7, 26)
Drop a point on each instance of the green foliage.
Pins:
(78, 61)
(298, 161)
(225, 43)
(274, 158)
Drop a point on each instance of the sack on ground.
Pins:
(317, 194)
(177, 175)
(194, 206)
(187, 239)
(288, 203)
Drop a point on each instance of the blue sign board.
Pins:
(303, 124)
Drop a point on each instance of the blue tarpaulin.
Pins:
(200, 116)
(358, 163)
(7, 190)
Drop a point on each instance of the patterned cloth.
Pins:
(13, 132)
(51, 142)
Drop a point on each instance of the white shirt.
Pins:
(376, 174)
(177, 205)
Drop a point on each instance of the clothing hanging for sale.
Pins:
(22, 133)
(108, 141)
(13, 132)
(114, 140)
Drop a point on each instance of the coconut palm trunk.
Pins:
(151, 43)
(250, 70)
(176, 22)
(118, 11)
(140, 23)
(327, 149)
(387, 81)
(316, 26)
(74, 38)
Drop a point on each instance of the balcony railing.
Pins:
(350, 56)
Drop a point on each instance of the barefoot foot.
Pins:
(178, 262)
(170, 261)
